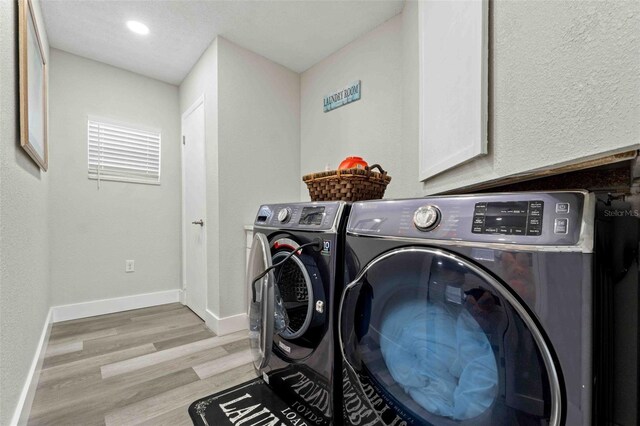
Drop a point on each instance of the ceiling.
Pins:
(296, 34)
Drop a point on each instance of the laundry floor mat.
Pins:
(250, 403)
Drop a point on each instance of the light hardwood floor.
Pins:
(143, 366)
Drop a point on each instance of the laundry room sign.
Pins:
(349, 94)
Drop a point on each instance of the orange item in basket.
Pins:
(353, 163)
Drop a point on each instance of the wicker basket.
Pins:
(347, 184)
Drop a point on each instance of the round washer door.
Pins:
(430, 338)
(261, 301)
(301, 293)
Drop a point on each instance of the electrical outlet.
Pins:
(129, 266)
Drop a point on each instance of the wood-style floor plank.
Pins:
(231, 361)
(120, 342)
(71, 329)
(148, 335)
(180, 397)
(81, 365)
(82, 337)
(63, 348)
(92, 405)
(80, 389)
(142, 361)
(150, 357)
(183, 340)
(176, 417)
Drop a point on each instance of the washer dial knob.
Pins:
(284, 215)
(426, 217)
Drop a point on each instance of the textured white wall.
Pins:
(94, 230)
(24, 234)
(407, 177)
(259, 152)
(203, 80)
(371, 127)
(564, 84)
(252, 110)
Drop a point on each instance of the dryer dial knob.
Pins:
(284, 215)
(426, 217)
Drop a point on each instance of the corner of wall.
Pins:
(259, 153)
(24, 248)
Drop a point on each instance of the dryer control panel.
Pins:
(317, 216)
(508, 217)
(528, 218)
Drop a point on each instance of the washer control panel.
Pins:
(320, 216)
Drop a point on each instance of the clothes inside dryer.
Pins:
(442, 344)
(440, 356)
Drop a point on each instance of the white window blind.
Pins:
(123, 153)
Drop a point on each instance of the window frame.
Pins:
(97, 176)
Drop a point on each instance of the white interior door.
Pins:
(194, 208)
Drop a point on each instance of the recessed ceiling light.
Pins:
(138, 27)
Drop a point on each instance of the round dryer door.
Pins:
(261, 301)
(429, 338)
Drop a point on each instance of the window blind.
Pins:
(123, 153)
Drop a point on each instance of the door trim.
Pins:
(267, 302)
(554, 382)
(183, 286)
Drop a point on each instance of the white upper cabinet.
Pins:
(453, 83)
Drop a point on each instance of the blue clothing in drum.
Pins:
(439, 355)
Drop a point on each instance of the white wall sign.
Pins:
(453, 83)
(349, 94)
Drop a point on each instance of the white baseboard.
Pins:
(226, 325)
(117, 304)
(23, 408)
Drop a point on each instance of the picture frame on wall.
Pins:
(33, 87)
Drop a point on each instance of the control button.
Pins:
(534, 231)
(534, 222)
(480, 209)
(284, 215)
(535, 212)
(478, 220)
(477, 230)
(426, 218)
(561, 226)
(518, 231)
(562, 208)
(536, 204)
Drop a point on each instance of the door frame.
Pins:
(183, 287)
(267, 301)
